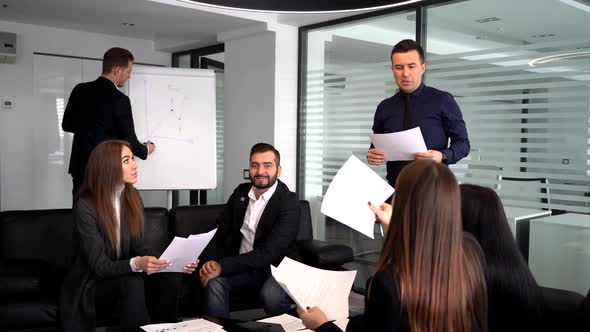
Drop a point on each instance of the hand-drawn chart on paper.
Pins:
(175, 109)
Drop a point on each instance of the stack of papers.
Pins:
(182, 252)
(311, 287)
(291, 323)
(400, 145)
(347, 198)
(195, 325)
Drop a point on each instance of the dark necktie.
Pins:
(407, 113)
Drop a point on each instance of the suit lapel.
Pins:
(242, 206)
(268, 215)
(125, 235)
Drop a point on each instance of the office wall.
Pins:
(17, 162)
(260, 99)
(249, 101)
(285, 135)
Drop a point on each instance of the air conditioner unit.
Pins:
(7, 47)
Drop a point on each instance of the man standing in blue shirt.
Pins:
(434, 111)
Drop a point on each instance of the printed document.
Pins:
(347, 197)
(182, 252)
(195, 325)
(400, 145)
(291, 323)
(312, 287)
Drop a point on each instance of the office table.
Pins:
(560, 251)
(516, 214)
(518, 220)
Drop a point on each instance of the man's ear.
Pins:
(279, 169)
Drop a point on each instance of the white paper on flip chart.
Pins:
(195, 325)
(312, 287)
(347, 198)
(400, 145)
(182, 252)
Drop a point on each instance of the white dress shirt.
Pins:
(252, 217)
(117, 207)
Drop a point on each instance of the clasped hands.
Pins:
(209, 270)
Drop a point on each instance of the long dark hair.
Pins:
(102, 177)
(424, 250)
(513, 293)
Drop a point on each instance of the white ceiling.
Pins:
(173, 25)
(452, 28)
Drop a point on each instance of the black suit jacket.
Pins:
(275, 237)
(95, 260)
(98, 111)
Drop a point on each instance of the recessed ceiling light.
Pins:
(580, 4)
(127, 24)
(543, 35)
(557, 57)
(487, 19)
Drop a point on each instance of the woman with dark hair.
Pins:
(514, 298)
(429, 277)
(109, 226)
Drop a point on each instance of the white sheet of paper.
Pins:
(182, 252)
(347, 198)
(311, 287)
(401, 145)
(195, 325)
(341, 323)
(288, 323)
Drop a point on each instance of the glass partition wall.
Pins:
(522, 82)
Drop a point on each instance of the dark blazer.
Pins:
(95, 260)
(98, 111)
(275, 237)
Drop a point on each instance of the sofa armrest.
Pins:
(20, 279)
(324, 255)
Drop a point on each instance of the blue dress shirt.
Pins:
(438, 116)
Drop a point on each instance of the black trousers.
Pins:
(76, 184)
(124, 297)
(137, 299)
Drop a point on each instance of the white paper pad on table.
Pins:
(291, 323)
(288, 323)
(195, 325)
(182, 252)
(311, 287)
(401, 145)
(352, 188)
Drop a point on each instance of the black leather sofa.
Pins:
(36, 248)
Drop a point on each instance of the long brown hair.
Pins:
(424, 251)
(104, 173)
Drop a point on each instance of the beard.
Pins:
(256, 181)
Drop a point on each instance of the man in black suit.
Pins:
(98, 111)
(259, 228)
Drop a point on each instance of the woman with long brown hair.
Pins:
(429, 276)
(109, 225)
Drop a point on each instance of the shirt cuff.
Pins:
(445, 158)
(133, 266)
